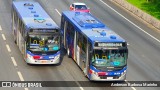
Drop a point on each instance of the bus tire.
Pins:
(68, 52)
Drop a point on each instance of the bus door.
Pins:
(88, 58)
(83, 53)
(75, 45)
(64, 34)
(17, 31)
(20, 32)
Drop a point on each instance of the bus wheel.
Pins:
(68, 52)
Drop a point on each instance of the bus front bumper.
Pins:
(51, 61)
(94, 77)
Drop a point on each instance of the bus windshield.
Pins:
(109, 58)
(43, 43)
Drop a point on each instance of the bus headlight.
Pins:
(56, 57)
(122, 73)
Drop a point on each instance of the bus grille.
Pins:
(105, 77)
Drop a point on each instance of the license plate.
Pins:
(43, 61)
(109, 77)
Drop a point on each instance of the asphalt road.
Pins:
(144, 50)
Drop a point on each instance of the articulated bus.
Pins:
(99, 51)
(36, 34)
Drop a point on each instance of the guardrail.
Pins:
(141, 14)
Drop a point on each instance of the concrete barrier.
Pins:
(143, 15)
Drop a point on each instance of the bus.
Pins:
(99, 52)
(36, 34)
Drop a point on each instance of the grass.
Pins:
(152, 8)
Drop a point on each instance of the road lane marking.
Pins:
(81, 88)
(133, 88)
(14, 61)
(3, 36)
(131, 22)
(58, 12)
(8, 48)
(20, 76)
(0, 28)
(26, 89)
(79, 85)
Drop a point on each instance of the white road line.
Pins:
(131, 22)
(8, 48)
(20, 76)
(26, 89)
(133, 88)
(3, 36)
(58, 12)
(14, 61)
(0, 28)
(79, 85)
(81, 88)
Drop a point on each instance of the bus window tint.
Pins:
(41, 42)
(109, 58)
(100, 58)
(118, 57)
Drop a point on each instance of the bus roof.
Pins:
(90, 26)
(33, 15)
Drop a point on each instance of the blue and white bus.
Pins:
(99, 51)
(36, 34)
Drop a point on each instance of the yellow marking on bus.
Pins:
(96, 56)
(41, 43)
(104, 57)
(35, 41)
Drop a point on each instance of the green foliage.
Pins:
(152, 7)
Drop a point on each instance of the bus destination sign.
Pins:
(109, 44)
(45, 30)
